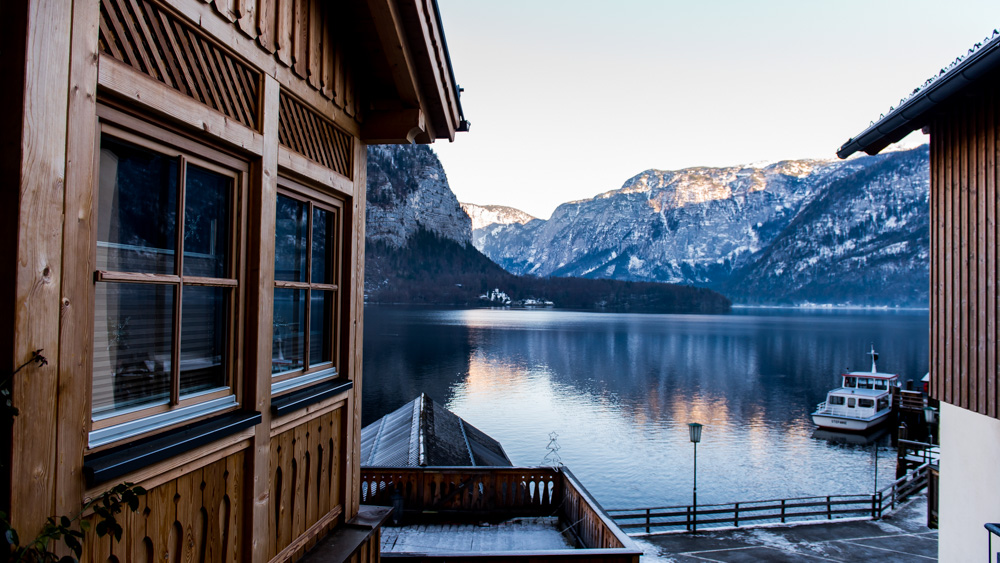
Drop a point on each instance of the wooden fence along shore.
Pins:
(874, 505)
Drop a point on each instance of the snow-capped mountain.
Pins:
(817, 231)
(418, 250)
(486, 215)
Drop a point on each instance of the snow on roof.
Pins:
(911, 113)
(873, 375)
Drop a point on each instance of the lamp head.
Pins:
(695, 429)
(930, 414)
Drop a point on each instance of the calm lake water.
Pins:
(619, 389)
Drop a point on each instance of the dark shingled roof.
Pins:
(422, 433)
(915, 110)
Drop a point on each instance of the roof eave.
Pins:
(915, 112)
(411, 36)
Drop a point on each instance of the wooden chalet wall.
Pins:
(965, 140)
(275, 84)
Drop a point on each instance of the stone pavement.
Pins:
(900, 536)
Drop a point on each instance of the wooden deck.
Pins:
(447, 496)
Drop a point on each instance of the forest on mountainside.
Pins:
(432, 270)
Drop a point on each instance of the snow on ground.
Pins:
(651, 553)
(519, 534)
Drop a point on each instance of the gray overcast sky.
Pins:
(570, 98)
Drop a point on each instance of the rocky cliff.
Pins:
(408, 191)
(418, 249)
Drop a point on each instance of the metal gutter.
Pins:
(913, 112)
(463, 124)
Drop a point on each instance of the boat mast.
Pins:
(874, 356)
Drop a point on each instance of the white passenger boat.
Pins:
(862, 402)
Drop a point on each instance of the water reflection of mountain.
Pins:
(768, 368)
(774, 369)
(619, 389)
(403, 358)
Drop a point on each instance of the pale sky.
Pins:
(570, 98)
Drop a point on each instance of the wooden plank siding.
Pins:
(275, 89)
(964, 259)
(305, 483)
(194, 517)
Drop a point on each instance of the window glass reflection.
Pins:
(133, 334)
(320, 331)
(137, 209)
(290, 240)
(289, 330)
(203, 338)
(207, 198)
(322, 241)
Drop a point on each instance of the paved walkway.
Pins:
(900, 536)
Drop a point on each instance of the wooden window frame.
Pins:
(315, 198)
(117, 125)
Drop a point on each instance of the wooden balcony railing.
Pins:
(469, 493)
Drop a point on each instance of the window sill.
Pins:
(104, 466)
(302, 398)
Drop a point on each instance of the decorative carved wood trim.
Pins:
(308, 133)
(156, 43)
(305, 484)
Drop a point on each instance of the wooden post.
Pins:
(647, 520)
(38, 179)
(260, 290)
(782, 511)
(75, 327)
(354, 299)
(829, 511)
(736, 515)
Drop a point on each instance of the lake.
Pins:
(620, 389)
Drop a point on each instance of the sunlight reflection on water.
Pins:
(619, 389)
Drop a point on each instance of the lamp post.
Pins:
(695, 429)
(930, 415)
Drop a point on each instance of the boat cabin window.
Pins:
(866, 403)
(881, 384)
(864, 383)
(850, 403)
(883, 403)
(850, 381)
(835, 400)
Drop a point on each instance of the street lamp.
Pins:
(930, 415)
(695, 429)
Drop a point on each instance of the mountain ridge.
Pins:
(419, 250)
(715, 227)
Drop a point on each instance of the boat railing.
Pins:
(872, 505)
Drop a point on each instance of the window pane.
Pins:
(289, 330)
(133, 336)
(207, 198)
(320, 331)
(204, 313)
(137, 209)
(290, 240)
(322, 246)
